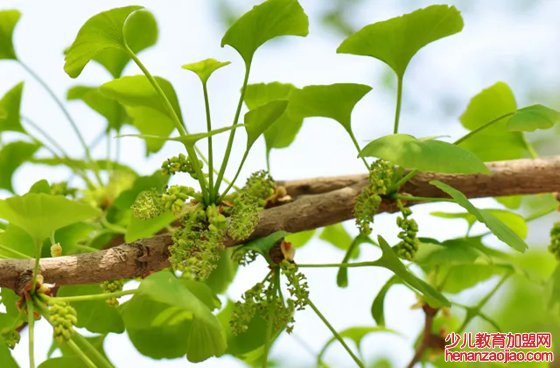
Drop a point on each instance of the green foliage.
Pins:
(533, 117)
(181, 321)
(390, 261)
(489, 111)
(12, 156)
(271, 19)
(497, 227)
(283, 132)
(397, 40)
(10, 104)
(40, 214)
(258, 120)
(8, 21)
(424, 154)
(108, 38)
(205, 68)
(335, 101)
(110, 109)
(144, 106)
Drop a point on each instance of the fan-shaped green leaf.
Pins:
(8, 21)
(12, 156)
(106, 38)
(40, 214)
(494, 142)
(497, 227)
(16, 243)
(425, 155)
(144, 106)
(205, 68)
(140, 32)
(298, 240)
(463, 276)
(10, 104)
(204, 336)
(272, 18)
(107, 107)
(336, 235)
(335, 101)
(432, 253)
(282, 133)
(397, 40)
(533, 117)
(257, 121)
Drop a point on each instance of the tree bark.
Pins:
(316, 202)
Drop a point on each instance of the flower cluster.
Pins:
(63, 318)
(408, 246)
(179, 163)
(381, 177)
(112, 286)
(297, 284)
(147, 205)
(262, 300)
(554, 246)
(247, 204)
(198, 244)
(175, 197)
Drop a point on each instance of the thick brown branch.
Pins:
(317, 202)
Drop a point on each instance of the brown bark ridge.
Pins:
(316, 202)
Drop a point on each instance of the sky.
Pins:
(511, 41)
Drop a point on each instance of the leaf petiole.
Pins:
(92, 297)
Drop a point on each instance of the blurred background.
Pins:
(514, 41)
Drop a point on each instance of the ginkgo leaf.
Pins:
(145, 106)
(8, 21)
(140, 32)
(40, 214)
(493, 143)
(107, 38)
(205, 68)
(12, 156)
(257, 121)
(272, 18)
(283, 132)
(533, 117)
(110, 109)
(200, 338)
(10, 104)
(425, 155)
(335, 101)
(397, 40)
